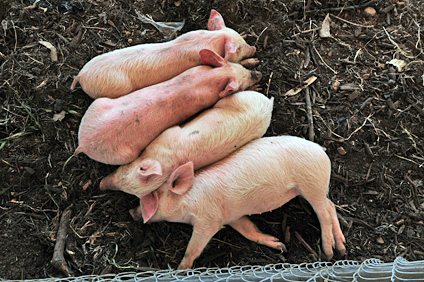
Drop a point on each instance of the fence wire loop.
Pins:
(341, 271)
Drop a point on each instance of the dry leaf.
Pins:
(341, 151)
(53, 52)
(296, 90)
(86, 185)
(325, 29)
(60, 116)
(43, 83)
(379, 240)
(399, 64)
(370, 11)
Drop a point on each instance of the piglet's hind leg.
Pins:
(249, 230)
(332, 236)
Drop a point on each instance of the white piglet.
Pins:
(123, 71)
(261, 176)
(116, 131)
(214, 134)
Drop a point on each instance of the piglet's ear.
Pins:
(230, 49)
(211, 58)
(216, 21)
(231, 87)
(181, 178)
(148, 168)
(148, 207)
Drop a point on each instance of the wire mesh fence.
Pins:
(343, 271)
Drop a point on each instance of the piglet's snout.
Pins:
(252, 51)
(256, 76)
(107, 184)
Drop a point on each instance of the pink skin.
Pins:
(115, 131)
(260, 177)
(123, 71)
(214, 134)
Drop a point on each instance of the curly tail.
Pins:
(78, 150)
(74, 83)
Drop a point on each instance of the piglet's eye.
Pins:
(142, 168)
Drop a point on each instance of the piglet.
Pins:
(214, 134)
(261, 176)
(120, 72)
(115, 131)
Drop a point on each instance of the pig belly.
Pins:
(259, 202)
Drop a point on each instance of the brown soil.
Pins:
(367, 113)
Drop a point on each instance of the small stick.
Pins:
(306, 31)
(58, 260)
(352, 23)
(306, 245)
(342, 220)
(257, 39)
(269, 83)
(397, 45)
(309, 114)
(344, 8)
(415, 106)
(335, 72)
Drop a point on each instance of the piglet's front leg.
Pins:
(249, 230)
(198, 241)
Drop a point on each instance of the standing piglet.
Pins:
(115, 131)
(262, 176)
(214, 134)
(120, 72)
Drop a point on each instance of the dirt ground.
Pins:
(367, 112)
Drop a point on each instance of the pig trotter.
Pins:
(251, 62)
(249, 230)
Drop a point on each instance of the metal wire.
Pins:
(341, 271)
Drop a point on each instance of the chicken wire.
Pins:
(343, 271)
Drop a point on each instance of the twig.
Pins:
(359, 128)
(415, 106)
(306, 245)
(306, 31)
(58, 260)
(352, 23)
(257, 39)
(397, 46)
(354, 7)
(335, 72)
(309, 114)
(339, 178)
(406, 159)
(269, 83)
(342, 220)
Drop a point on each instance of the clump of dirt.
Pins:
(364, 109)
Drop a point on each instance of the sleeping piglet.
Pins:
(115, 131)
(214, 134)
(261, 176)
(122, 71)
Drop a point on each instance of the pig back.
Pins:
(122, 71)
(261, 176)
(230, 124)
